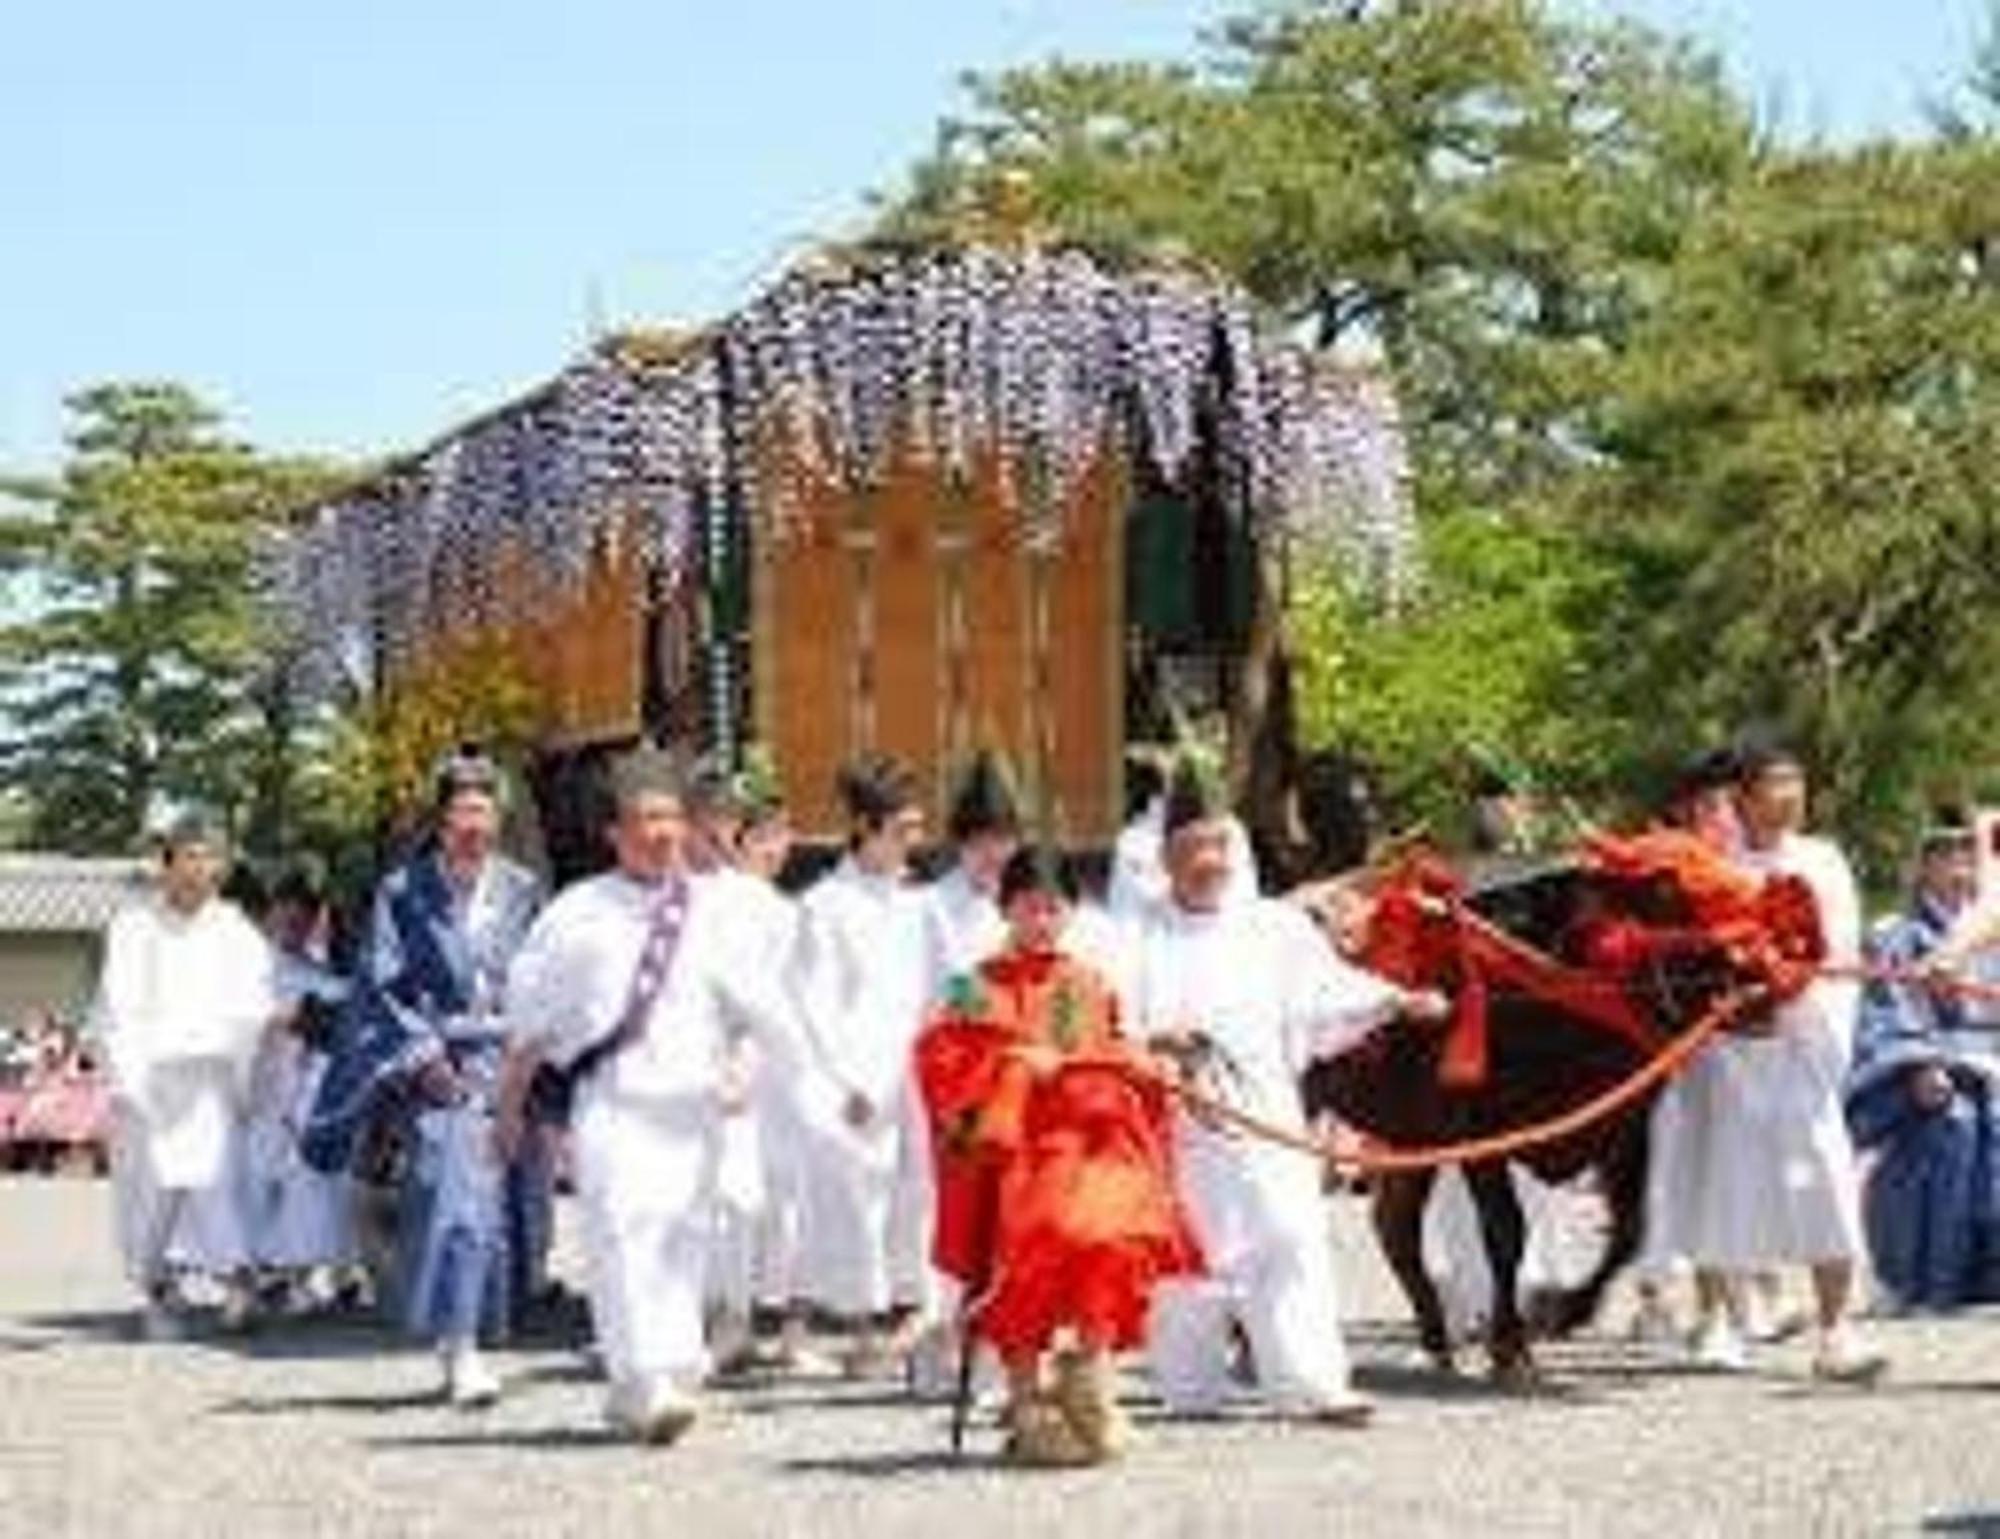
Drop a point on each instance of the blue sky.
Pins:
(349, 224)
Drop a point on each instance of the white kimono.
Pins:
(1259, 980)
(862, 986)
(1139, 869)
(758, 1183)
(1764, 1169)
(299, 1217)
(1975, 936)
(1095, 936)
(183, 1004)
(962, 928)
(647, 1123)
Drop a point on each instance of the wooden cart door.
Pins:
(914, 620)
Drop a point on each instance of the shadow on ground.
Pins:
(900, 1464)
(286, 1405)
(1970, 1525)
(570, 1439)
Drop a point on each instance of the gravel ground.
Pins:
(331, 1429)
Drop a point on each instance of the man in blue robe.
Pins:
(421, 1052)
(1921, 1097)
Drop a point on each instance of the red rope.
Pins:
(1914, 977)
(1492, 1146)
(1391, 1159)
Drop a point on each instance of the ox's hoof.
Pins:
(1432, 1360)
(1516, 1374)
(1558, 1313)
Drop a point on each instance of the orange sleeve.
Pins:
(957, 1063)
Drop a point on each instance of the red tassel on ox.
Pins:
(1467, 1058)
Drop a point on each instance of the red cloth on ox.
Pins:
(1055, 1191)
(1767, 925)
(1422, 935)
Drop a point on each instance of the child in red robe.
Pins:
(1057, 1208)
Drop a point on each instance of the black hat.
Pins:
(644, 770)
(713, 787)
(466, 768)
(1950, 832)
(1758, 753)
(875, 787)
(984, 802)
(1037, 868)
(1145, 780)
(1713, 769)
(302, 881)
(1491, 775)
(1194, 792)
(192, 826)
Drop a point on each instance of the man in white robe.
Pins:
(962, 921)
(777, 1093)
(634, 980)
(1771, 1175)
(738, 839)
(184, 1001)
(1702, 802)
(1139, 878)
(1253, 990)
(861, 980)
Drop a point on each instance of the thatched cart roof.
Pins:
(1037, 359)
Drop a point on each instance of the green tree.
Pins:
(1801, 489)
(1972, 108)
(143, 664)
(1486, 192)
(1491, 656)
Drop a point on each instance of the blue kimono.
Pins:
(428, 991)
(1932, 1204)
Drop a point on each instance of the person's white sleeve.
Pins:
(535, 1008)
(252, 1000)
(822, 988)
(1330, 1005)
(1138, 875)
(1243, 880)
(1840, 909)
(1840, 923)
(118, 1013)
(761, 1000)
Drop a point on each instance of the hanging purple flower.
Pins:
(1042, 360)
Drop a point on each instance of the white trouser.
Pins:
(305, 1220)
(784, 1149)
(913, 1214)
(777, 1275)
(166, 1217)
(646, 1181)
(1263, 1224)
(296, 1216)
(849, 1183)
(741, 1198)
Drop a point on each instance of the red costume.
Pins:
(1056, 1196)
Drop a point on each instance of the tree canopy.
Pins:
(1699, 416)
(143, 670)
